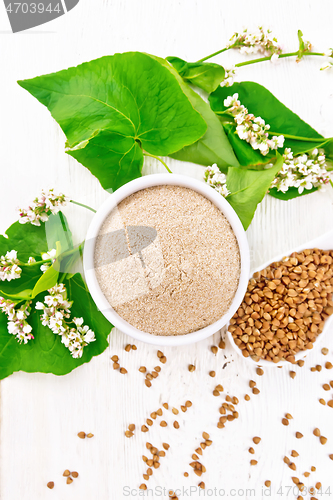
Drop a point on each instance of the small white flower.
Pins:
(252, 129)
(216, 180)
(44, 267)
(41, 208)
(303, 172)
(17, 320)
(229, 77)
(56, 312)
(51, 254)
(9, 270)
(259, 41)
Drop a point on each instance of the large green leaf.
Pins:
(45, 353)
(206, 76)
(248, 187)
(259, 101)
(213, 147)
(111, 107)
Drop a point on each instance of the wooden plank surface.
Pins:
(42, 414)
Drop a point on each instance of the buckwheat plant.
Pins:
(9, 269)
(56, 315)
(304, 171)
(216, 180)
(259, 41)
(17, 319)
(252, 129)
(42, 207)
(229, 77)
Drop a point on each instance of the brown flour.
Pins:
(177, 273)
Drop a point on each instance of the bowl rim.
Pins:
(88, 257)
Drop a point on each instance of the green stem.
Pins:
(331, 183)
(214, 54)
(281, 56)
(227, 113)
(82, 205)
(305, 139)
(38, 263)
(73, 250)
(63, 255)
(159, 159)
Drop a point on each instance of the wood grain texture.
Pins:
(42, 414)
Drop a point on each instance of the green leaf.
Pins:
(248, 188)
(18, 297)
(111, 107)
(46, 281)
(259, 101)
(206, 76)
(290, 194)
(32, 241)
(213, 147)
(45, 353)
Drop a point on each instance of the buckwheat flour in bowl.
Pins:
(167, 260)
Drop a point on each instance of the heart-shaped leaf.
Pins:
(112, 107)
(206, 76)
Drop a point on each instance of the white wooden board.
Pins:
(42, 414)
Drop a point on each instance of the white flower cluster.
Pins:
(304, 171)
(9, 269)
(329, 62)
(258, 42)
(42, 207)
(56, 315)
(216, 180)
(17, 319)
(250, 128)
(229, 77)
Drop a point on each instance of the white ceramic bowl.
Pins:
(324, 242)
(111, 203)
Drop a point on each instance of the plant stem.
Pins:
(159, 159)
(82, 205)
(65, 254)
(305, 139)
(214, 54)
(227, 113)
(281, 56)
